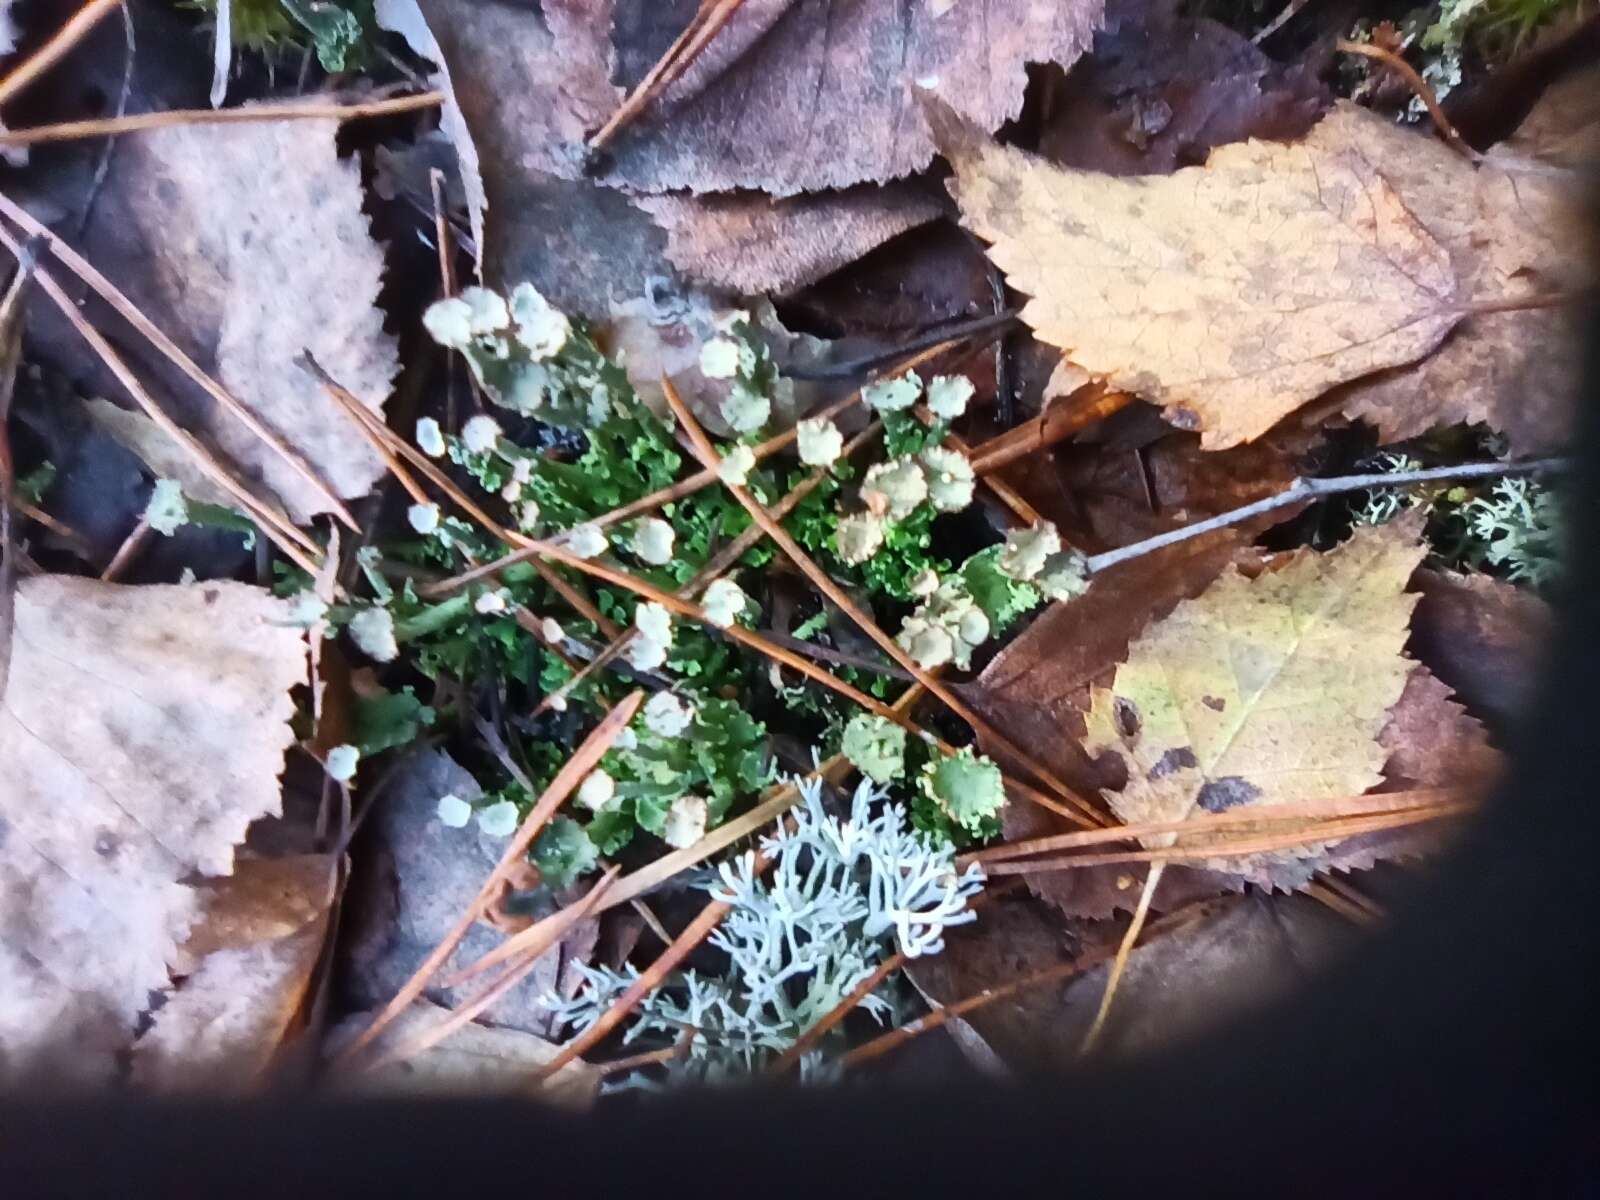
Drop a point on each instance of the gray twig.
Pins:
(1316, 489)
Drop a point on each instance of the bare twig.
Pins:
(1315, 489)
(1418, 85)
(68, 131)
(1055, 424)
(1119, 964)
(669, 68)
(132, 546)
(60, 44)
(934, 339)
(566, 781)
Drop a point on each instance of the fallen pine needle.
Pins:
(78, 27)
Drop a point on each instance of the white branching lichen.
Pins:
(839, 897)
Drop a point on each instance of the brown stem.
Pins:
(132, 546)
(1418, 85)
(61, 42)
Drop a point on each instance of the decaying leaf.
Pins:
(475, 1061)
(156, 449)
(1510, 234)
(253, 953)
(1484, 637)
(1263, 691)
(754, 245)
(247, 244)
(1159, 91)
(1038, 689)
(143, 730)
(801, 97)
(1231, 293)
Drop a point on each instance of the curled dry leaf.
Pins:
(253, 954)
(247, 244)
(157, 451)
(143, 730)
(1230, 294)
(752, 244)
(1159, 91)
(1263, 691)
(800, 97)
(1510, 234)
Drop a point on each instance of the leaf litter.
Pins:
(1228, 281)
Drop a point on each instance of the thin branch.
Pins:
(935, 339)
(1055, 424)
(1418, 85)
(1315, 489)
(1119, 964)
(60, 44)
(132, 546)
(130, 312)
(68, 131)
(826, 585)
(566, 781)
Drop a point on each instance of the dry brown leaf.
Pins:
(143, 730)
(754, 245)
(153, 447)
(1268, 690)
(800, 97)
(1510, 234)
(247, 244)
(1231, 293)
(1484, 637)
(253, 953)
(475, 1061)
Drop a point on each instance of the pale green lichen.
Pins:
(736, 465)
(876, 746)
(719, 358)
(820, 442)
(598, 791)
(342, 762)
(498, 819)
(894, 488)
(430, 438)
(665, 715)
(372, 630)
(481, 434)
(540, 329)
(686, 822)
(1026, 550)
(586, 541)
(652, 541)
(454, 812)
(930, 644)
(946, 627)
(744, 409)
(723, 601)
(858, 536)
(967, 786)
(167, 510)
(950, 478)
(424, 518)
(948, 396)
(892, 395)
(1064, 576)
(654, 622)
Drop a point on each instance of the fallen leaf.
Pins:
(474, 1062)
(144, 728)
(1038, 689)
(1510, 234)
(800, 97)
(421, 876)
(1159, 91)
(1231, 293)
(1484, 637)
(246, 243)
(253, 954)
(156, 449)
(1269, 690)
(751, 244)
(1238, 954)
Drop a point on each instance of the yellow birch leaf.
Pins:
(1269, 690)
(1230, 293)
